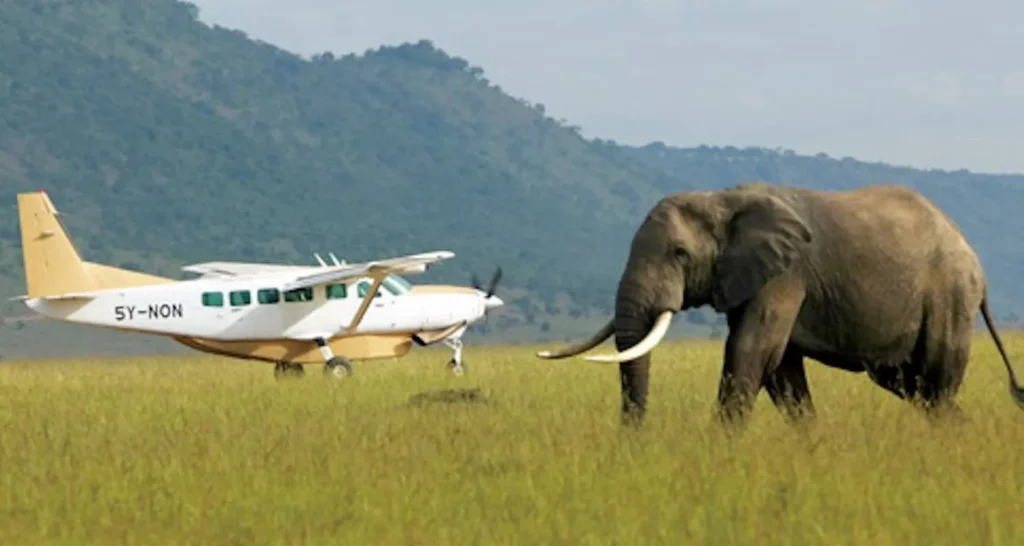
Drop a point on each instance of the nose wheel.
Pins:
(455, 364)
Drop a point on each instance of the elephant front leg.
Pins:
(758, 337)
(787, 386)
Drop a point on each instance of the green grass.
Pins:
(205, 450)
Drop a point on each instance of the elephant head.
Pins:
(692, 249)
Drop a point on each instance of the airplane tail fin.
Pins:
(52, 264)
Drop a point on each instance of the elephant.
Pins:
(876, 279)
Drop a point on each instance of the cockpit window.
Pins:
(396, 285)
(363, 288)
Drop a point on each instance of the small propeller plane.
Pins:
(290, 315)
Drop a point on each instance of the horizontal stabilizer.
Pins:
(66, 296)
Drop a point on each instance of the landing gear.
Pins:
(458, 369)
(284, 370)
(336, 367)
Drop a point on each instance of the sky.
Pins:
(924, 83)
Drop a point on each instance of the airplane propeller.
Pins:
(494, 283)
(489, 292)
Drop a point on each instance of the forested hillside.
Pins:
(164, 142)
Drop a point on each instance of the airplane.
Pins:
(290, 315)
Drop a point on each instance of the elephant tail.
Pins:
(1015, 389)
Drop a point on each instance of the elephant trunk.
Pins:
(637, 332)
(631, 327)
(643, 314)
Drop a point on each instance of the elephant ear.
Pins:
(763, 238)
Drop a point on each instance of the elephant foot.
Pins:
(799, 415)
(732, 420)
(634, 409)
(945, 413)
(632, 419)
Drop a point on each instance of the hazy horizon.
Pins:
(927, 85)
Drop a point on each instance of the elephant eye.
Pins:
(681, 253)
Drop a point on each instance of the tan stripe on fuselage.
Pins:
(441, 289)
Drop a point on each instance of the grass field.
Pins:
(212, 451)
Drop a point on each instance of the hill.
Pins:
(985, 206)
(165, 142)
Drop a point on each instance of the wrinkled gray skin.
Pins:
(876, 280)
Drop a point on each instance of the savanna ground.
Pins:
(205, 450)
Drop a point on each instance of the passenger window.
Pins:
(336, 291)
(299, 294)
(213, 299)
(268, 295)
(240, 297)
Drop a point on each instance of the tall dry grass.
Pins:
(213, 451)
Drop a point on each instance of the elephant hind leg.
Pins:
(941, 369)
(944, 349)
(788, 389)
(932, 375)
(898, 379)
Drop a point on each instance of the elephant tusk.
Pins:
(645, 346)
(572, 350)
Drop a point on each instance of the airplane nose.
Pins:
(492, 303)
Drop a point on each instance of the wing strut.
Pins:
(377, 280)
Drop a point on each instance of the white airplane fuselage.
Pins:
(247, 309)
(286, 314)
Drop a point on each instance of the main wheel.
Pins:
(338, 367)
(283, 370)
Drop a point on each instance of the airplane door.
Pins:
(386, 310)
(380, 314)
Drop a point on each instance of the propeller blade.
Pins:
(494, 282)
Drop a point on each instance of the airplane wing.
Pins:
(404, 264)
(233, 269)
(378, 269)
